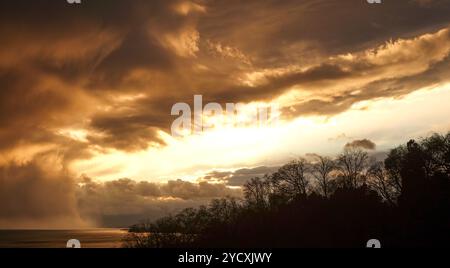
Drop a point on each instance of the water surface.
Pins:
(92, 238)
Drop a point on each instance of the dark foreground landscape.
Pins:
(403, 201)
(319, 202)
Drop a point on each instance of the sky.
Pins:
(87, 90)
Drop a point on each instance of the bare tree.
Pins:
(352, 163)
(380, 181)
(322, 171)
(291, 179)
(393, 166)
(257, 192)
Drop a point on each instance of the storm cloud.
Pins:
(82, 80)
(362, 144)
(35, 195)
(124, 202)
(238, 177)
(115, 68)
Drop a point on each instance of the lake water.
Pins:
(93, 238)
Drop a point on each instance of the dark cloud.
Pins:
(238, 177)
(53, 52)
(41, 194)
(294, 29)
(363, 144)
(31, 196)
(111, 70)
(125, 201)
(62, 64)
(241, 176)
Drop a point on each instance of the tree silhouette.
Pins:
(380, 180)
(351, 165)
(291, 179)
(403, 201)
(257, 193)
(322, 171)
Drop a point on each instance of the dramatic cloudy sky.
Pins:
(86, 93)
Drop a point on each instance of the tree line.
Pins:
(403, 201)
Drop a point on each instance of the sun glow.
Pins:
(224, 147)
